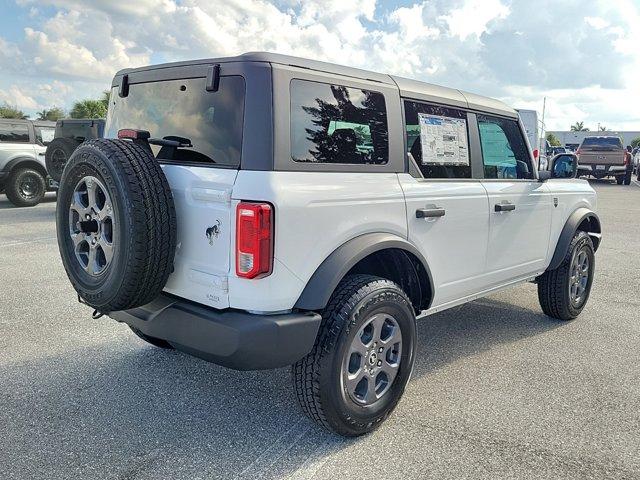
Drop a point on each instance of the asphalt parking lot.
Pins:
(499, 390)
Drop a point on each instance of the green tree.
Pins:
(53, 114)
(635, 142)
(553, 140)
(105, 99)
(8, 111)
(89, 109)
(579, 127)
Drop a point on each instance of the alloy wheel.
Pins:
(373, 359)
(92, 225)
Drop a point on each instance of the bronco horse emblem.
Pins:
(213, 232)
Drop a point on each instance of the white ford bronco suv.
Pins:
(23, 175)
(262, 211)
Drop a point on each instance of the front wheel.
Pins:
(26, 187)
(362, 358)
(564, 291)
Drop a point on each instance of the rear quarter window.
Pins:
(14, 133)
(338, 124)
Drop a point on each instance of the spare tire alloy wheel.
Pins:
(116, 225)
(91, 225)
(58, 159)
(57, 154)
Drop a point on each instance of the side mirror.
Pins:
(564, 165)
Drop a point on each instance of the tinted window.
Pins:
(80, 131)
(504, 150)
(437, 140)
(605, 142)
(212, 121)
(45, 134)
(337, 124)
(14, 132)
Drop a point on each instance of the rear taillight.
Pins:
(254, 239)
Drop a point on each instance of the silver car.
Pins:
(23, 176)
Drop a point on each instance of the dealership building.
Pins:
(574, 139)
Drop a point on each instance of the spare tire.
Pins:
(58, 152)
(116, 224)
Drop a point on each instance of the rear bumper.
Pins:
(234, 339)
(608, 169)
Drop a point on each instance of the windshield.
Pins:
(604, 142)
(44, 135)
(212, 121)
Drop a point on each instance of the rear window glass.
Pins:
(80, 131)
(14, 133)
(607, 142)
(45, 134)
(338, 124)
(212, 121)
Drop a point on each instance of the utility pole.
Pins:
(543, 133)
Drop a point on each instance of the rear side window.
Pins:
(211, 121)
(45, 134)
(504, 150)
(14, 133)
(603, 142)
(437, 140)
(338, 124)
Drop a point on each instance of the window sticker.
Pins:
(443, 140)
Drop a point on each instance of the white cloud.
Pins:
(474, 16)
(511, 49)
(16, 97)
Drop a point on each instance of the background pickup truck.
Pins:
(603, 157)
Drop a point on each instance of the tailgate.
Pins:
(202, 196)
(601, 157)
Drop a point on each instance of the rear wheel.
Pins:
(620, 179)
(26, 187)
(564, 291)
(362, 359)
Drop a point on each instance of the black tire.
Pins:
(554, 286)
(25, 187)
(638, 176)
(143, 225)
(156, 342)
(58, 154)
(318, 377)
(620, 179)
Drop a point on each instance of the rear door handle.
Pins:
(505, 207)
(431, 212)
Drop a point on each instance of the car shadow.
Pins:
(6, 204)
(143, 408)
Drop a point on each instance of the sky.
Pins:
(582, 55)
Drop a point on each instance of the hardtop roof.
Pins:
(408, 88)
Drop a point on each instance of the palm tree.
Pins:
(579, 127)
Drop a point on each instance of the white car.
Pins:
(23, 175)
(264, 210)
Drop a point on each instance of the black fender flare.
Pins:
(569, 230)
(27, 162)
(325, 279)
